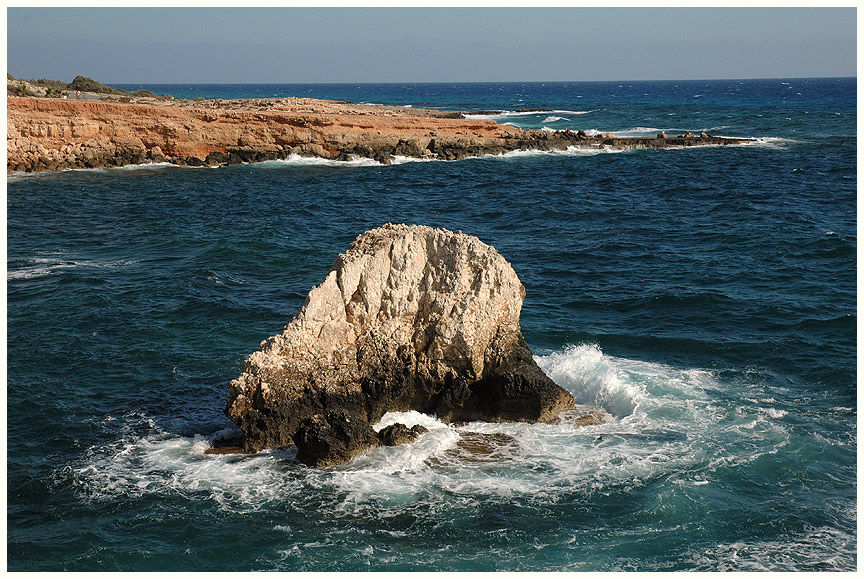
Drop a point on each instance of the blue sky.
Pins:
(240, 45)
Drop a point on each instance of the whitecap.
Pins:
(768, 142)
(501, 115)
(639, 132)
(37, 271)
(37, 267)
(507, 114)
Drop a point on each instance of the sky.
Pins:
(352, 45)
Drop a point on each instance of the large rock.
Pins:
(409, 318)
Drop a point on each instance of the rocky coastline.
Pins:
(45, 134)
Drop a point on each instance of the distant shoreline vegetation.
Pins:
(60, 89)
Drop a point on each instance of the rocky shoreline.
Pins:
(55, 134)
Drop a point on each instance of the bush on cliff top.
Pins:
(56, 88)
(89, 85)
(21, 90)
(55, 85)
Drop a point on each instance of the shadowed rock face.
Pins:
(409, 318)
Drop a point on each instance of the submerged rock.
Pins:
(398, 433)
(408, 318)
(333, 438)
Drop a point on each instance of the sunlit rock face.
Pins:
(408, 318)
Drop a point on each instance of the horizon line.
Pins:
(494, 81)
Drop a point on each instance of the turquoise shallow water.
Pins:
(704, 297)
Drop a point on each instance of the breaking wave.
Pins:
(509, 114)
(667, 422)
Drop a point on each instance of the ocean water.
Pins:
(705, 297)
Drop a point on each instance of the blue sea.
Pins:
(705, 297)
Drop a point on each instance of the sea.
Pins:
(704, 297)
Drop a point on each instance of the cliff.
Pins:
(53, 134)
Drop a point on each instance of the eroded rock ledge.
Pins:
(55, 134)
(408, 318)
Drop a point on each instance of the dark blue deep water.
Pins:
(705, 297)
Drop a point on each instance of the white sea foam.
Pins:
(640, 132)
(667, 422)
(302, 161)
(20, 175)
(643, 132)
(774, 412)
(36, 271)
(38, 267)
(160, 463)
(144, 166)
(553, 119)
(401, 159)
(586, 372)
(571, 151)
(822, 548)
(409, 419)
(769, 142)
(508, 114)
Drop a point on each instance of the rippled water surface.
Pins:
(704, 297)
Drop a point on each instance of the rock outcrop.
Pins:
(408, 318)
(53, 134)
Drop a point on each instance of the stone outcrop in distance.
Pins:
(54, 134)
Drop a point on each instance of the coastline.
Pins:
(46, 134)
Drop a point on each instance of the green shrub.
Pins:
(89, 85)
(21, 91)
(143, 93)
(49, 84)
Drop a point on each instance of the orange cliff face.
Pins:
(49, 134)
(52, 134)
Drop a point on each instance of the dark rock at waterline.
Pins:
(398, 433)
(333, 437)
